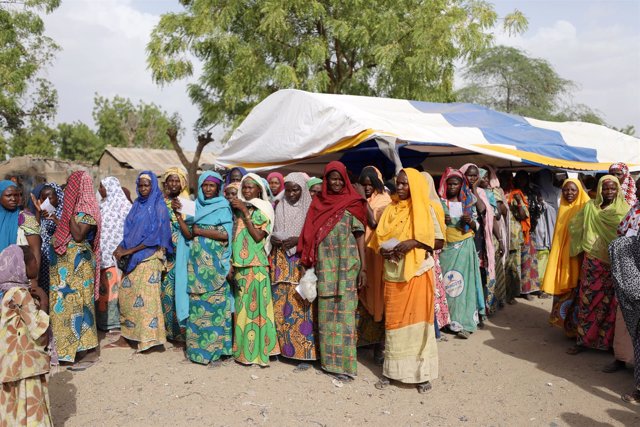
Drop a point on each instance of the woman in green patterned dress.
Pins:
(332, 241)
(255, 332)
(203, 295)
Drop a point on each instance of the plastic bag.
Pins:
(307, 285)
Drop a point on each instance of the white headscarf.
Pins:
(290, 218)
(114, 210)
(263, 205)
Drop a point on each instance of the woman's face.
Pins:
(315, 190)
(472, 175)
(250, 190)
(173, 185)
(236, 176)
(618, 173)
(368, 186)
(484, 182)
(454, 184)
(292, 192)
(274, 186)
(402, 186)
(230, 193)
(10, 198)
(609, 191)
(144, 187)
(209, 189)
(335, 182)
(102, 191)
(570, 192)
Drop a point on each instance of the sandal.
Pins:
(615, 366)
(464, 334)
(119, 343)
(544, 295)
(633, 398)
(424, 387)
(82, 365)
(214, 364)
(302, 367)
(342, 377)
(382, 383)
(576, 349)
(528, 297)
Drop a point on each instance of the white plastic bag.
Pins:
(307, 286)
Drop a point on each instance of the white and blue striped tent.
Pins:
(292, 126)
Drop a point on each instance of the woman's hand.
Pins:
(38, 294)
(362, 279)
(119, 253)
(275, 241)
(406, 246)
(466, 218)
(36, 203)
(289, 243)
(239, 205)
(176, 205)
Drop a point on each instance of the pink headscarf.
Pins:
(280, 179)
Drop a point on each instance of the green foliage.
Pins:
(77, 141)
(121, 123)
(36, 140)
(24, 51)
(506, 79)
(252, 48)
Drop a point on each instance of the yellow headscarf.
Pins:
(594, 228)
(408, 219)
(436, 204)
(563, 271)
(184, 182)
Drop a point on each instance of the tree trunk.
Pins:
(190, 166)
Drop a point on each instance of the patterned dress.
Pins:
(337, 268)
(71, 296)
(296, 318)
(209, 324)
(168, 286)
(255, 336)
(24, 363)
(141, 318)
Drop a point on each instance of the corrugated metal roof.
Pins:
(153, 159)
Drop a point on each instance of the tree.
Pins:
(506, 79)
(77, 141)
(121, 123)
(36, 140)
(24, 51)
(204, 139)
(252, 48)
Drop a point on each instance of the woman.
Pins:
(332, 242)
(48, 222)
(255, 332)
(295, 317)
(75, 272)
(276, 183)
(147, 238)
(563, 271)
(16, 225)
(459, 260)
(315, 186)
(114, 208)
(441, 307)
(371, 307)
(231, 191)
(628, 186)
(411, 354)
(543, 234)
(500, 229)
(24, 363)
(235, 175)
(591, 231)
(203, 295)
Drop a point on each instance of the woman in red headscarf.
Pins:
(332, 241)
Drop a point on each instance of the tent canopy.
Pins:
(292, 126)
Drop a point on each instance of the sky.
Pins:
(595, 43)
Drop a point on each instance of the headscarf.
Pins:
(227, 179)
(147, 224)
(494, 182)
(434, 198)
(47, 229)
(12, 268)
(594, 228)
(491, 205)
(380, 199)
(290, 218)
(313, 181)
(526, 222)
(280, 178)
(563, 271)
(408, 219)
(215, 211)
(114, 210)
(327, 210)
(79, 197)
(631, 221)
(36, 193)
(8, 219)
(544, 180)
(465, 196)
(184, 182)
(263, 205)
(628, 185)
(625, 269)
(466, 167)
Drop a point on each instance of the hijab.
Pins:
(184, 182)
(262, 204)
(290, 218)
(631, 221)
(408, 219)
(313, 181)
(36, 193)
(327, 210)
(8, 219)
(147, 224)
(563, 271)
(227, 179)
(114, 210)
(594, 228)
(280, 178)
(13, 271)
(628, 185)
(465, 196)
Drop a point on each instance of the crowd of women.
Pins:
(391, 264)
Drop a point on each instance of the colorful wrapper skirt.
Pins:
(209, 334)
(295, 322)
(168, 297)
(563, 312)
(107, 311)
(338, 333)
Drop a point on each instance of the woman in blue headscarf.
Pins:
(203, 295)
(147, 239)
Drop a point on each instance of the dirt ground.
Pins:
(514, 372)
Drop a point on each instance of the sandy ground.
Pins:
(513, 373)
